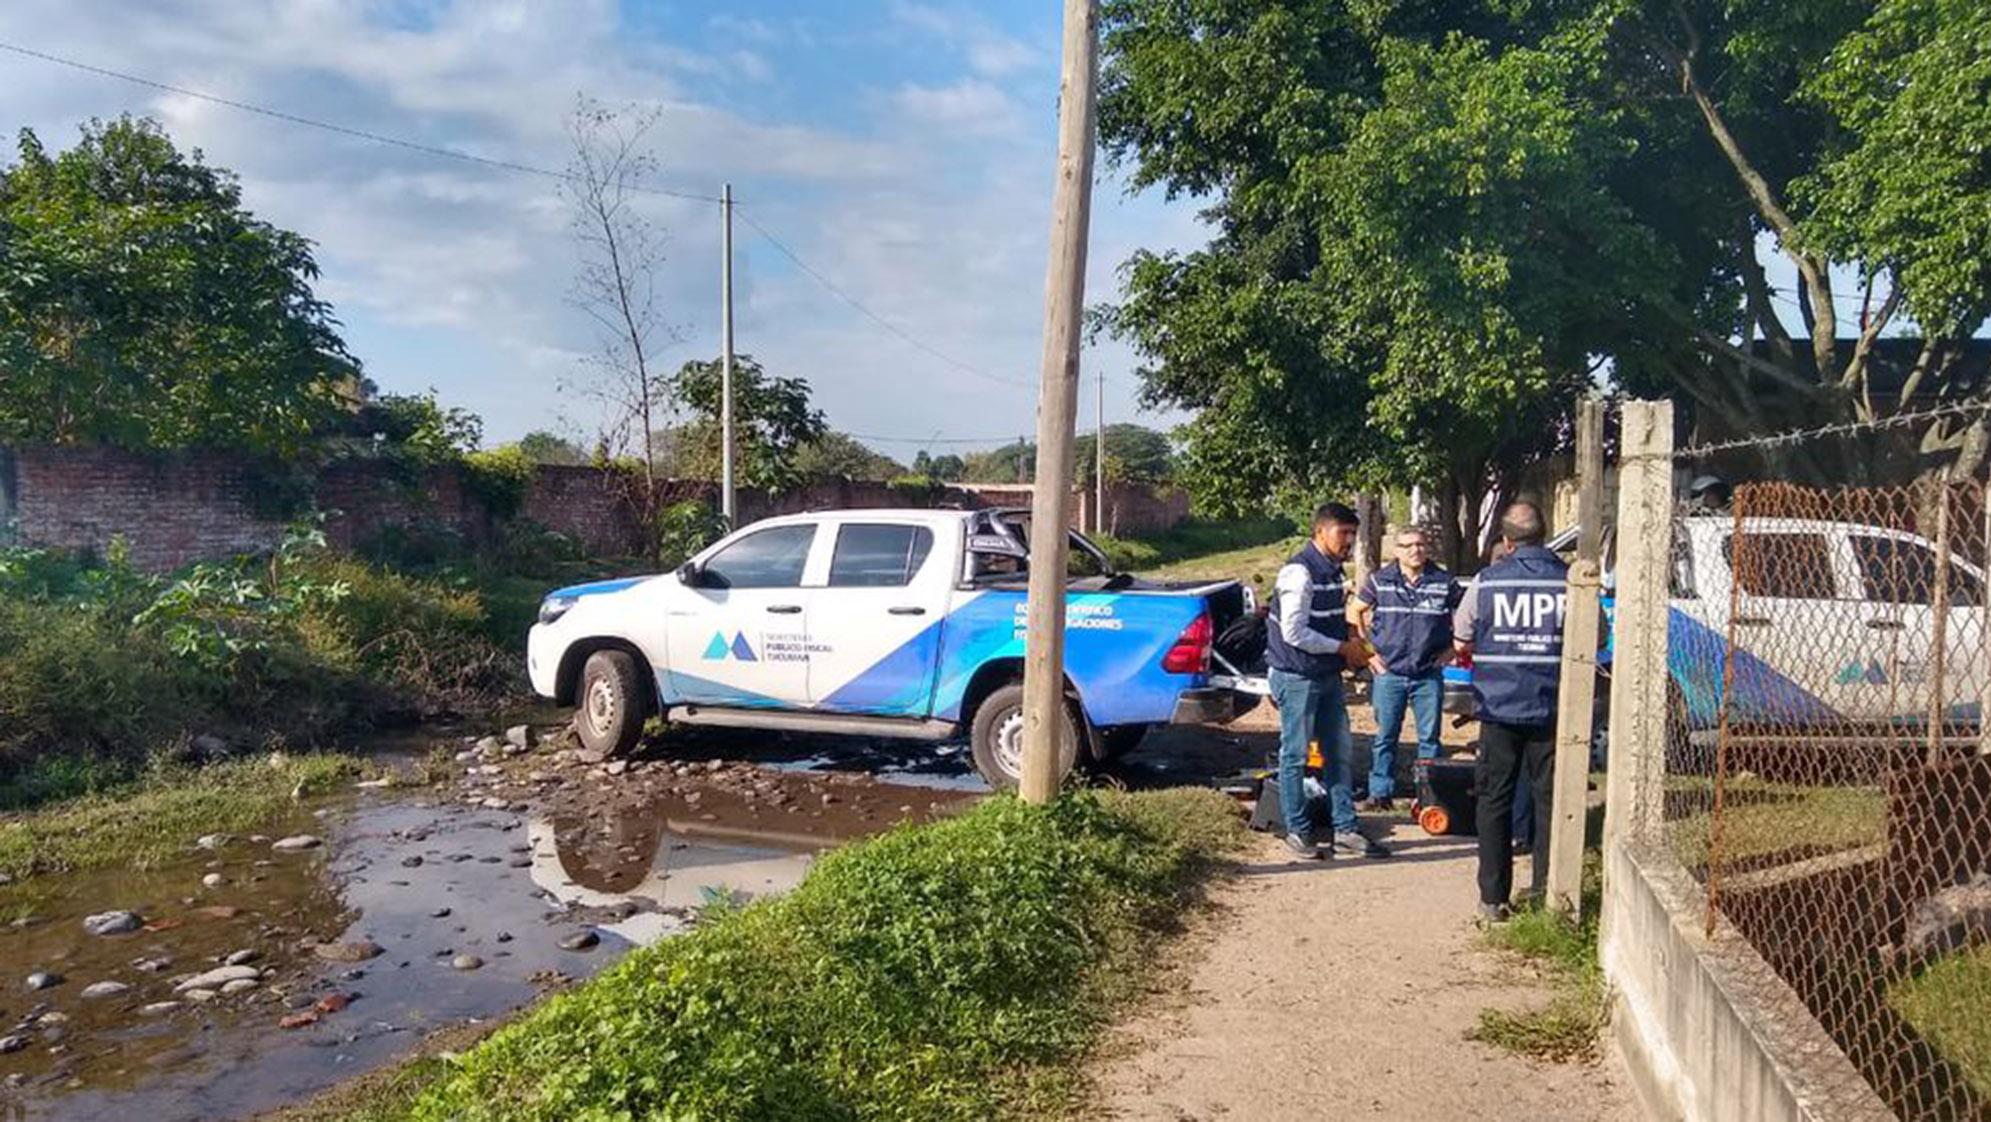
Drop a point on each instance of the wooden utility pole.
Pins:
(727, 505)
(1576, 710)
(1044, 712)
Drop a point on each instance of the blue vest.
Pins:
(1327, 609)
(1412, 623)
(1517, 637)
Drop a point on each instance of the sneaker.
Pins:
(1491, 914)
(1303, 848)
(1359, 844)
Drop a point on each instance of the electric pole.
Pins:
(727, 507)
(1044, 709)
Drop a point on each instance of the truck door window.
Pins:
(770, 558)
(1894, 571)
(1783, 566)
(878, 555)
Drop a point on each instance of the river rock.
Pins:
(13, 1043)
(589, 757)
(212, 880)
(359, 950)
(490, 746)
(412, 861)
(617, 767)
(212, 841)
(519, 737)
(199, 997)
(153, 965)
(112, 923)
(495, 803)
(43, 980)
(239, 985)
(218, 977)
(242, 957)
(105, 989)
(296, 842)
(466, 962)
(158, 1008)
(439, 913)
(579, 941)
(6, 878)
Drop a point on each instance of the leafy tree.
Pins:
(1011, 463)
(772, 420)
(142, 305)
(543, 447)
(1436, 225)
(1134, 454)
(836, 454)
(417, 426)
(946, 467)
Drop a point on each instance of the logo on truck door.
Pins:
(718, 649)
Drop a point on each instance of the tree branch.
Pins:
(1756, 291)
(1816, 275)
(1856, 367)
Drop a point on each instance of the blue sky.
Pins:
(904, 149)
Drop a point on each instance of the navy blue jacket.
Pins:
(1309, 616)
(1513, 618)
(1410, 623)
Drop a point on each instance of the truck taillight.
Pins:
(1191, 652)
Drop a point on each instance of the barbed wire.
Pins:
(1799, 436)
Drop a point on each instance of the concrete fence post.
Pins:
(1637, 749)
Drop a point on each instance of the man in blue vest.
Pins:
(1309, 623)
(1405, 610)
(1510, 623)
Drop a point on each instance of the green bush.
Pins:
(920, 975)
(101, 666)
(500, 478)
(684, 528)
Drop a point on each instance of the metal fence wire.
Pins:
(1828, 773)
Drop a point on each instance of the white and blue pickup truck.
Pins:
(884, 623)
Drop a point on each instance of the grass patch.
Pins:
(1945, 1004)
(1759, 819)
(1256, 564)
(153, 819)
(1569, 1026)
(945, 971)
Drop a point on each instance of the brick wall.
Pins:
(171, 510)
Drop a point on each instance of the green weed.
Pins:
(937, 972)
(1570, 1025)
(1945, 1004)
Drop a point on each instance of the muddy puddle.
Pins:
(412, 912)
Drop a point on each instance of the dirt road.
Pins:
(1343, 990)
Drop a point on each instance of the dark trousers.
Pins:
(1508, 756)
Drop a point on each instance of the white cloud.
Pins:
(926, 200)
(971, 106)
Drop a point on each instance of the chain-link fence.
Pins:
(1828, 773)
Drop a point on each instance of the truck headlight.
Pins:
(553, 607)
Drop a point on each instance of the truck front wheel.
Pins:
(996, 738)
(611, 703)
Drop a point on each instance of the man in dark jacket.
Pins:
(1405, 609)
(1510, 623)
(1308, 625)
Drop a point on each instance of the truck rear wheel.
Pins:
(996, 738)
(611, 703)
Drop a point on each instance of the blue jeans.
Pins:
(1388, 693)
(1313, 709)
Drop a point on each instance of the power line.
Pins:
(1011, 438)
(881, 321)
(328, 126)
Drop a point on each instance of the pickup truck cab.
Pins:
(882, 623)
(1832, 624)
